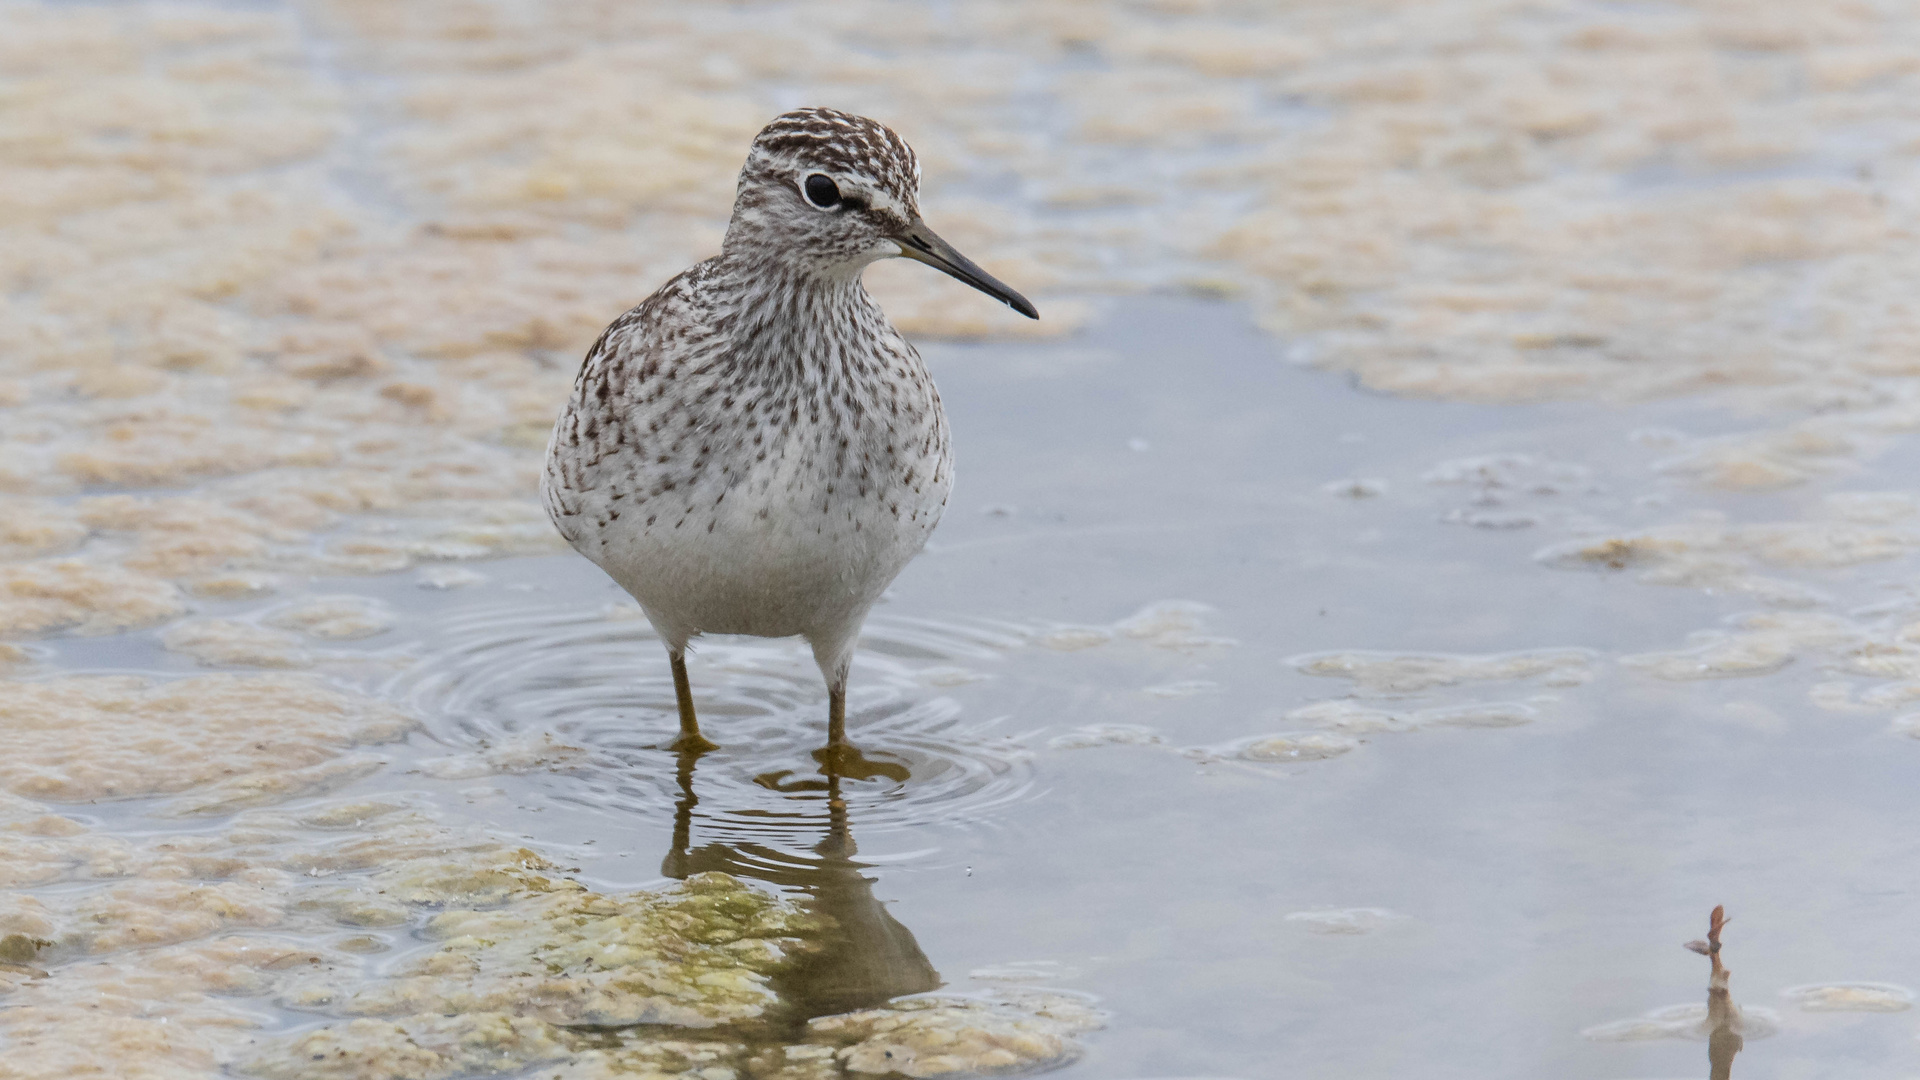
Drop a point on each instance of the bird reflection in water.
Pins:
(862, 957)
(1723, 1016)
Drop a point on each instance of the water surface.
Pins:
(1286, 725)
(1155, 524)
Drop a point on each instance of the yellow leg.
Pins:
(690, 740)
(837, 714)
(840, 758)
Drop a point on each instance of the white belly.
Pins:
(786, 548)
(742, 477)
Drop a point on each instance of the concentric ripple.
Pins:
(599, 681)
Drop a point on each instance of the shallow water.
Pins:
(1280, 724)
(1465, 891)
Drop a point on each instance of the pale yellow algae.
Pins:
(1171, 624)
(283, 637)
(1850, 997)
(232, 643)
(1092, 735)
(1351, 717)
(1385, 685)
(521, 753)
(420, 1048)
(1177, 625)
(938, 1037)
(1684, 1022)
(169, 1012)
(1759, 645)
(1401, 673)
(1719, 557)
(79, 738)
(69, 595)
(1298, 747)
(144, 964)
(1849, 529)
(333, 617)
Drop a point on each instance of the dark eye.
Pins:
(822, 191)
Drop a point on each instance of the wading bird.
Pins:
(754, 449)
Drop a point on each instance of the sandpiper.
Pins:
(754, 449)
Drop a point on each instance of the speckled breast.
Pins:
(786, 512)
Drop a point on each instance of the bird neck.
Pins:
(779, 309)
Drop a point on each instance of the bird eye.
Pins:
(821, 191)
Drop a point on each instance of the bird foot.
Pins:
(693, 743)
(846, 760)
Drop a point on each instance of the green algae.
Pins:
(693, 956)
(522, 967)
(21, 949)
(540, 977)
(682, 982)
(482, 875)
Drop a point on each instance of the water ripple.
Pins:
(599, 681)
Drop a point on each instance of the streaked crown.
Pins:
(843, 145)
(825, 191)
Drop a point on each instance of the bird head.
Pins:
(828, 193)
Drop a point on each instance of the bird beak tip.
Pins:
(922, 245)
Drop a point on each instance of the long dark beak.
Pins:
(921, 244)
